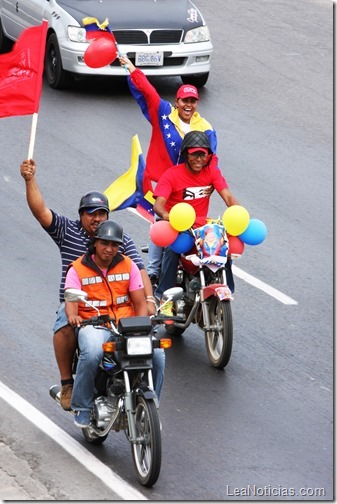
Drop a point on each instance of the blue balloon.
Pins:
(255, 233)
(183, 243)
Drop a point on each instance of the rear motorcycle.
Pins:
(125, 399)
(202, 295)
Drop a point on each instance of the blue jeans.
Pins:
(155, 255)
(169, 272)
(90, 341)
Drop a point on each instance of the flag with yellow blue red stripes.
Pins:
(127, 190)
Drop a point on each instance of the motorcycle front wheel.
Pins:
(146, 451)
(219, 339)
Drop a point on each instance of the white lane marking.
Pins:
(271, 291)
(110, 479)
(283, 298)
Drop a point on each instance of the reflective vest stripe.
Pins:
(92, 280)
(122, 299)
(119, 277)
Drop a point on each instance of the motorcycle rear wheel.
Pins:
(146, 452)
(219, 341)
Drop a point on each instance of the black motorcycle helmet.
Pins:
(109, 230)
(195, 139)
(93, 201)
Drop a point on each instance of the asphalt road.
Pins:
(263, 428)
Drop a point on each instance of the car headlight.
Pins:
(77, 34)
(200, 34)
(139, 346)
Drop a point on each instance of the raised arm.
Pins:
(125, 62)
(34, 197)
(143, 91)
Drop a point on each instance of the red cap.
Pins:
(187, 91)
(197, 149)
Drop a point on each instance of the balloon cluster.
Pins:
(242, 230)
(174, 232)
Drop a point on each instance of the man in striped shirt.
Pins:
(72, 237)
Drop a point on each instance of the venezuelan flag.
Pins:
(127, 191)
(145, 207)
(95, 29)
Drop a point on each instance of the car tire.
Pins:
(197, 80)
(5, 43)
(57, 78)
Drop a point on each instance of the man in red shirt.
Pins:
(188, 182)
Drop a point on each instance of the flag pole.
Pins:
(38, 90)
(32, 136)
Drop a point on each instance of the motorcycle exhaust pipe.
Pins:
(55, 393)
(188, 321)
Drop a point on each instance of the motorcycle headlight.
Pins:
(77, 34)
(139, 346)
(200, 34)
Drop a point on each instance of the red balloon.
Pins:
(162, 233)
(101, 51)
(235, 246)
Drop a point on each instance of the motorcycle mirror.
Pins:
(75, 295)
(173, 294)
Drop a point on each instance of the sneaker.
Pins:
(82, 419)
(168, 309)
(65, 398)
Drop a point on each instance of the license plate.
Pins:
(150, 58)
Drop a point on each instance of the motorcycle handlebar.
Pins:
(98, 320)
(120, 344)
(101, 320)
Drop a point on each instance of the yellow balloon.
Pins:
(182, 216)
(235, 219)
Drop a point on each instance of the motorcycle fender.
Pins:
(148, 393)
(221, 291)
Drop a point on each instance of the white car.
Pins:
(163, 37)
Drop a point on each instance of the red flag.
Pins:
(21, 73)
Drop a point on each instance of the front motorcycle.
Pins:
(202, 295)
(125, 399)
